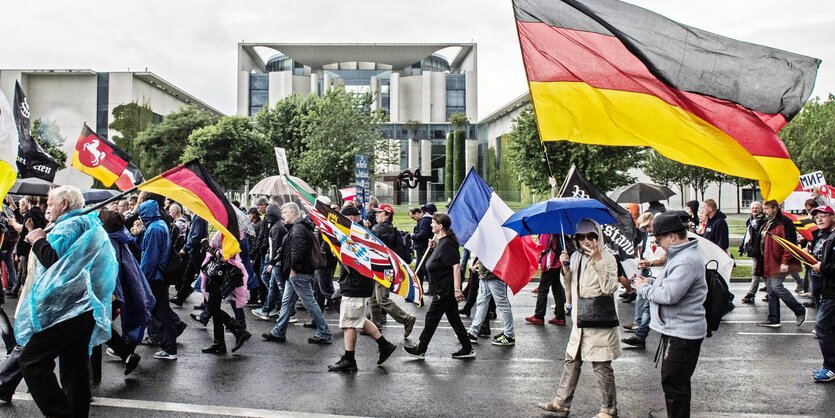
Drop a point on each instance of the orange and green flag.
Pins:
(606, 72)
(191, 185)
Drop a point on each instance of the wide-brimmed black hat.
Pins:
(350, 211)
(667, 222)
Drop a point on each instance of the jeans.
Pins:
(678, 363)
(605, 381)
(274, 290)
(642, 318)
(444, 305)
(298, 287)
(799, 283)
(815, 285)
(825, 330)
(7, 258)
(550, 280)
(776, 290)
(68, 341)
(495, 289)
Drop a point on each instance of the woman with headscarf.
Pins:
(213, 295)
(592, 271)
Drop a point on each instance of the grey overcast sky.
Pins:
(192, 43)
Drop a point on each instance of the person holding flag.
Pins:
(823, 272)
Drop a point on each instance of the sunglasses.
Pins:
(591, 236)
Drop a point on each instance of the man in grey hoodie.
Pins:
(677, 299)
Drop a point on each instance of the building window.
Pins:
(157, 118)
(259, 92)
(102, 111)
(456, 94)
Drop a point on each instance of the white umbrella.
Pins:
(278, 185)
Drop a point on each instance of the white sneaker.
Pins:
(293, 319)
(274, 313)
(163, 355)
(259, 313)
(111, 353)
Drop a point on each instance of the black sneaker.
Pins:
(630, 298)
(310, 324)
(197, 318)
(316, 340)
(343, 365)
(131, 363)
(268, 336)
(473, 338)
(385, 353)
(464, 353)
(769, 324)
(504, 340)
(176, 302)
(178, 329)
(747, 299)
(635, 342)
(415, 351)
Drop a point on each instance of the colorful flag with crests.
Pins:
(98, 157)
(190, 185)
(606, 72)
(8, 147)
(358, 248)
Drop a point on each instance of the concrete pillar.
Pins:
(470, 154)
(394, 97)
(426, 97)
(376, 99)
(327, 84)
(426, 161)
(314, 83)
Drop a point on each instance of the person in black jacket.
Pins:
(356, 293)
(277, 231)
(752, 225)
(420, 240)
(823, 289)
(716, 229)
(381, 302)
(27, 210)
(297, 265)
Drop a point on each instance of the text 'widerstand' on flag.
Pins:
(477, 214)
(606, 72)
(358, 248)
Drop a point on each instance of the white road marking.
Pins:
(192, 408)
(777, 333)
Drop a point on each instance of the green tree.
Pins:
(459, 122)
(160, 147)
(605, 167)
(48, 135)
(448, 171)
(665, 171)
(282, 126)
(231, 150)
(336, 128)
(130, 119)
(507, 183)
(810, 137)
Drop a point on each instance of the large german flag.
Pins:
(98, 157)
(610, 73)
(191, 185)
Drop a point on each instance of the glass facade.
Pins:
(102, 98)
(259, 92)
(456, 94)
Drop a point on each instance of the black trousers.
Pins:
(119, 346)
(192, 268)
(444, 305)
(164, 317)
(68, 341)
(219, 316)
(550, 281)
(679, 358)
(10, 372)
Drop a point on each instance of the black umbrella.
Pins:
(641, 193)
(32, 186)
(92, 196)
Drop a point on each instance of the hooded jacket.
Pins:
(677, 295)
(716, 230)
(588, 279)
(423, 232)
(198, 229)
(296, 248)
(825, 240)
(156, 242)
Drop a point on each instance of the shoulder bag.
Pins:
(596, 312)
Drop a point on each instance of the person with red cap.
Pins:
(823, 289)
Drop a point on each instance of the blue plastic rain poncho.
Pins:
(81, 280)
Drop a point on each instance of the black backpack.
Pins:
(403, 246)
(719, 299)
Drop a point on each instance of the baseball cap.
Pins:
(386, 208)
(823, 209)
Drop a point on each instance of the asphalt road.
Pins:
(744, 370)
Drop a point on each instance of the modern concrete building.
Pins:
(416, 85)
(70, 97)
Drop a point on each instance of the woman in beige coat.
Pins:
(598, 271)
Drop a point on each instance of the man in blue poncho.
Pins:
(67, 310)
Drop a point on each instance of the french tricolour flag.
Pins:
(477, 216)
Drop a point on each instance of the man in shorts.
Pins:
(356, 295)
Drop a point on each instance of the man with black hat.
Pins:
(677, 299)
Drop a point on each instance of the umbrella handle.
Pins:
(525, 225)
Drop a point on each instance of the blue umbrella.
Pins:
(558, 216)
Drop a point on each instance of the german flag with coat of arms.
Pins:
(98, 157)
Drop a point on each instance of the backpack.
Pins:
(317, 258)
(403, 246)
(719, 299)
